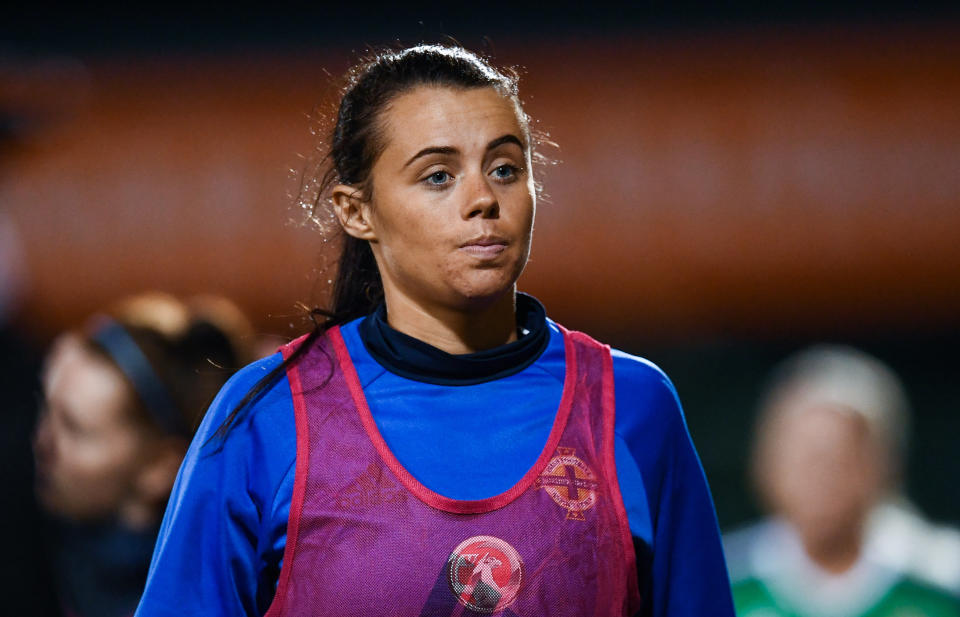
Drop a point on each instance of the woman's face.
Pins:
(822, 470)
(87, 449)
(452, 207)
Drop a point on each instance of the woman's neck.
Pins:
(837, 552)
(137, 514)
(452, 330)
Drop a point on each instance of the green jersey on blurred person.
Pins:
(840, 542)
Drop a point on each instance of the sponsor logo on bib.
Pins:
(485, 573)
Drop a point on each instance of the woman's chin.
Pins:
(485, 291)
(488, 285)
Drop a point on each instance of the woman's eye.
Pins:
(505, 172)
(438, 178)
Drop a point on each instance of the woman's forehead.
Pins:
(86, 386)
(442, 116)
(66, 349)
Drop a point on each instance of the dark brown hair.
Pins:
(190, 349)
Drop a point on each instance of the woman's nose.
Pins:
(482, 201)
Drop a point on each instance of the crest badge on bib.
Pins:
(570, 483)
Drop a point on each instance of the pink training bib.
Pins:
(365, 538)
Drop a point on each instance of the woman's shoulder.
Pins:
(647, 401)
(641, 386)
(650, 424)
(247, 377)
(270, 410)
(640, 372)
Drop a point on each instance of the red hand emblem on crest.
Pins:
(570, 483)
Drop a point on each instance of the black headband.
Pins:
(129, 358)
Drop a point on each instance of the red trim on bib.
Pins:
(424, 494)
(610, 462)
(299, 478)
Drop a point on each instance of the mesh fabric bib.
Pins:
(365, 538)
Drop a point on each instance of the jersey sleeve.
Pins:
(222, 535)
(686, 575)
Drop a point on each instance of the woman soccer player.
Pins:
(438, 446)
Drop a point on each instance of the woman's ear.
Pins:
(352, 211)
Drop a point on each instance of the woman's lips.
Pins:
(485, 248)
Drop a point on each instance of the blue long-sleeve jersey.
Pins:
(222, 538)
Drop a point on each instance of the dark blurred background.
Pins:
(731, 183)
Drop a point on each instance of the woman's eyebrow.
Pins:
(505, 139)
(431, 150)
(499, 141)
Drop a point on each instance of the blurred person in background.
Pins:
(122, 398)
(843, 541)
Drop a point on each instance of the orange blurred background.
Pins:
(719, 197)
(722, 184)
